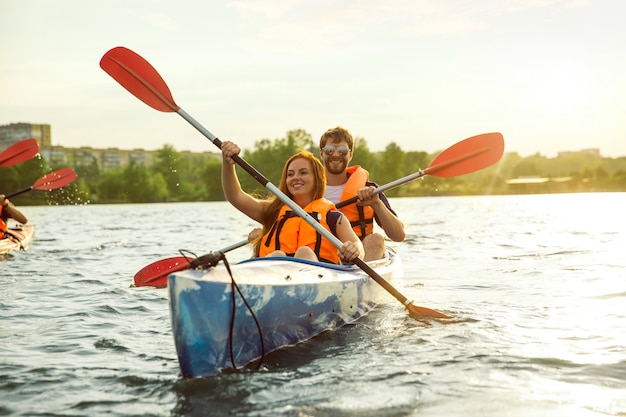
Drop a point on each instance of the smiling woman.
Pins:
(285, 234)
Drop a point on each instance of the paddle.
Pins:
(155, 274)
(50, 181)
(140, 78)
(467, 156)
(19, 152)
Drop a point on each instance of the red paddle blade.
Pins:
(19, 152)
(155, 274)
(418, 312)
(467, 156)
(55, 179)
(139, 77)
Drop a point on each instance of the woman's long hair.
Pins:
(270, 215)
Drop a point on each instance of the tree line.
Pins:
(175, 177)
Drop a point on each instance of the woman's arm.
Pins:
(352, 247)
(242, 201)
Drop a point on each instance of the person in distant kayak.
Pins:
(344, 182)
(9, 211)
(284, 233)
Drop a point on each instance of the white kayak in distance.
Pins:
(277, 302)
(16, 238)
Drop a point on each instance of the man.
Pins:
(343, 182)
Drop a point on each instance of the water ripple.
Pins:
(536, 293)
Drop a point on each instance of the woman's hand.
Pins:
(255, 234)
(349, 251)
(229, 149)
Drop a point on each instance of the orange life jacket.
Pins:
(3, 225)
(290, 232)
(361, 217)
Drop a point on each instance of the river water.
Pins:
(536, 285)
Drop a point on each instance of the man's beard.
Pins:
(336, 169)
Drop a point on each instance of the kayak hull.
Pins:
(17, 238)
(277, 302)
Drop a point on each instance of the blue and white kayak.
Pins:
(277, 302)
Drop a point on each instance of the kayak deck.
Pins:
(16, 238)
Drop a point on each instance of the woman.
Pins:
(284, 233)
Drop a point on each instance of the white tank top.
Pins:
(333, 192)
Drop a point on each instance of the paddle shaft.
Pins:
(51, 181)
(211, 257)
(264, 181)
(431, 170)
(295, 207)
(234, 246)
(158, 271)
(19, 192)
(385, 187)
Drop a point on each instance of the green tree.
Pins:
(530, 166)
(269, 158)
(390, 166)
(18, 177)
(168, 164)
(213, 185)
(618, 181)
(179, 176)
(143, 186)
(110, 187)
(194, 179)
(362, 156)
(88, 175)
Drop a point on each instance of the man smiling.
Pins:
(343, 182)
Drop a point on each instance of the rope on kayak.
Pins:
(211, 260)
(215, 258)
(233, 287)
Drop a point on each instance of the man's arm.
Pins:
(385, 216)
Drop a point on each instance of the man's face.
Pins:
(336, 156)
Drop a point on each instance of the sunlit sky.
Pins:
(549, 74)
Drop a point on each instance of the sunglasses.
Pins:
(329, 149)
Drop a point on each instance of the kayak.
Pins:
(16, 238)
(277, 302)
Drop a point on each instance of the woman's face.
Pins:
(300, 180)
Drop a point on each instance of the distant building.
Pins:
(105, 159)
(14, 132)
(590, 151)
